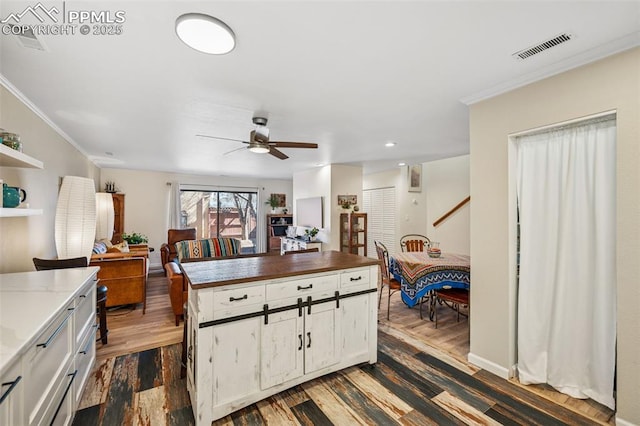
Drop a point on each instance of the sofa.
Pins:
(168, 249)
(189, 251)
(124, 274)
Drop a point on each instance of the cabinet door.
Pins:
(355, 326)
(322, 337)
(282, 345)
(11, 394)
(235, 358)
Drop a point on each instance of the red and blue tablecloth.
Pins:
(419, 274)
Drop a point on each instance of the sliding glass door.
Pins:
(217, 213)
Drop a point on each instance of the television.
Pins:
(309, 212)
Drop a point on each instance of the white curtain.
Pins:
(174, 206)
(567, 287)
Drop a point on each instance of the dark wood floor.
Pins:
(412, 383)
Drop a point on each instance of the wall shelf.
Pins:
(12, 158)
(6, 212)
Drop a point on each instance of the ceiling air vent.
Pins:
(28, 39)
(534, 50)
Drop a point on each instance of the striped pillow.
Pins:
(212, 247)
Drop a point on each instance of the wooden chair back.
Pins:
(383, 257)
(47, 264)
(414, 242)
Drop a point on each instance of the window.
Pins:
(221, 213)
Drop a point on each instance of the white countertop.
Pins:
(29, 301)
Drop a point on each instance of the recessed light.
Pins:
(205, 33)
(390, 144)
(402, 164)
(108, 153)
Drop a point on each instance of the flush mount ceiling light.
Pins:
(390, 144)
(205, 33)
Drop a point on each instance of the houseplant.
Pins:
(135, 238)
(273, 201)
(310, 234)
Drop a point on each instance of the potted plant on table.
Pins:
(273, 202)
(135, 238)
(310, 234)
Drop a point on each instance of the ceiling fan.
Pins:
(259, 141)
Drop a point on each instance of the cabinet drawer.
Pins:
(11, 395)
(85, 356)
(232, 298)
(320, 286)
(354, 278)
(85, 312)
(45, 361)
(60, 408)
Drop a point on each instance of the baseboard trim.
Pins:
(491, 366)
(621, 422)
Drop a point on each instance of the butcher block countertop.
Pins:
(221, 272)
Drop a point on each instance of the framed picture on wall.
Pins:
(414, 178)
(281, 199)
(347, 199)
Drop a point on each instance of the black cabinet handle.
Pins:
(56, 332)
(235, 299)
(308, 339)
(73, 376)
(300, 337)
(355, 279)
(86, 348)
(305, 288)
(11, 386)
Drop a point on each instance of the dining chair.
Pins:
(101, 291)
(392, 284)
(452, 298)
(414, 242)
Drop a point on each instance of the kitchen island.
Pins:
(259, 325)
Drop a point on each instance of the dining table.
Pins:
(419, 274)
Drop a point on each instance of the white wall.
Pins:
(22, 238)
(444, 184)
(147, 199)
(447, 184)
(315, 183)
(345, 180)
(610, 84)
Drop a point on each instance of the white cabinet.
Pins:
(49, 368)
(295, 244)
(11, 395)
(248, 341)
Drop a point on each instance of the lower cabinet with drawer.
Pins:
(47, 376)
(249, 341)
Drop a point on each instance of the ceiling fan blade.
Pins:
(279, 154)
(234, 150)
(279, 144)
(226, 139)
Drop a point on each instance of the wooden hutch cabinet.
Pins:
(353, 233)
(277, 227)
(118, 218)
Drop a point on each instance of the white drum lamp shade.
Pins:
(75, 226)
(104, 216)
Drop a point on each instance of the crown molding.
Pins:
(37, 111)
(616, 46)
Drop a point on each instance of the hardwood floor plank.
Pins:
(181, 417)
(465, 412)
(509, 416)
(88, 416)
(149, 369)
(309, 414)
(294, 396)
(427, 388)
(430, 375)
(95, 391)
(533, 414)
(331, 405)
(176, 393)
(149, 407)
(527, 397)
(275, 411)
(248, 416)
(365, 408)
(416, 418)
(119, 409)
(409, 394)
(225, 421)
(385, 399)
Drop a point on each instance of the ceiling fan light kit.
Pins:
(205, 33)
